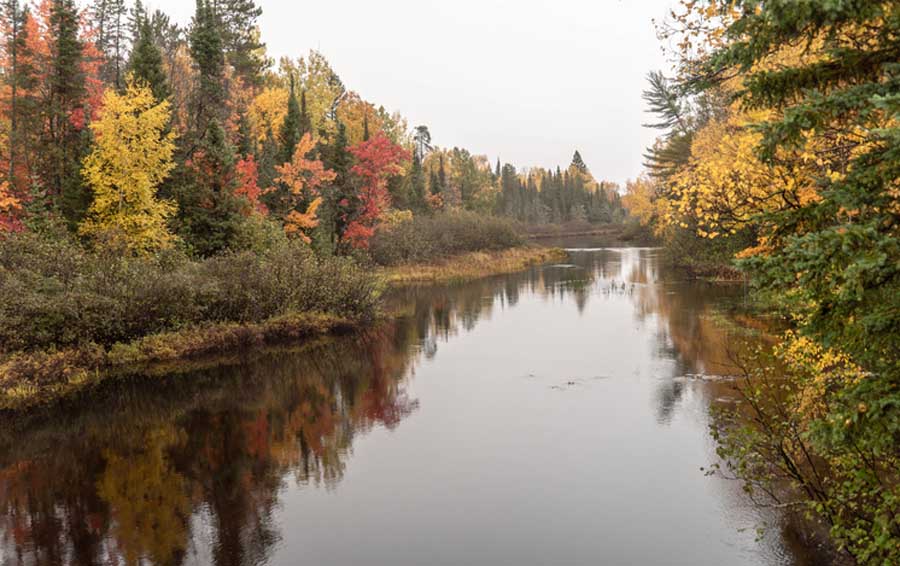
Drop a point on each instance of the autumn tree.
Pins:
(10, 207)
(303, 177)
(131, 157)
(819, 81)
(377, 160)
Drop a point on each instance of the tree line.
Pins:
(135, 131)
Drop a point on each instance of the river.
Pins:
(553, 416)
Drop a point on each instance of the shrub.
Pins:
(428, 238)
(57, 294)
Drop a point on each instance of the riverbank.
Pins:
(473, 265)
(31, 379)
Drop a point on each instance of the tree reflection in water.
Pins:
(193, 463)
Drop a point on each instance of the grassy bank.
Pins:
(471, 265)
(73, 317)
(32, 379)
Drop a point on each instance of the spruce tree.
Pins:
(578, 163)
(336, 158)
(207, 52)
(109, 19)
(65, 145)
(305, 121)
(209, 211)
(290, 133)
(442, 175)
(417, 183)
(146, 64)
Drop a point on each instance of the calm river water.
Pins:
(546, 417)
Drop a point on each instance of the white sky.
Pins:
(528, 81)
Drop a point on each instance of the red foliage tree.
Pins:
(377, 160)
(248, 184)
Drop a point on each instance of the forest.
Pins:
(158, 177)
(778, 161)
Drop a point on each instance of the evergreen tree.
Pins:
(21, 81)
(109, 19)
(238, 22)
(366, 126)
(417, 183)
(441, 176)
(336, 158)
(209, 211)
(266, 161)
(65, 144)
(578, 163)
(146, 64)
(209, 57)
(305, 121)
(290, 132)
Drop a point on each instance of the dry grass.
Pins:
(28, 380)
(472, 266)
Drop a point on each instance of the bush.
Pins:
(57, 294)
(429, 238)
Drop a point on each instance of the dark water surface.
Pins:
(536, 418)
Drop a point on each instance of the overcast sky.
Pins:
(528, 80)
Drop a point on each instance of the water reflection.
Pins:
(199, 466)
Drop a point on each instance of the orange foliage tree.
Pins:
(303, 177)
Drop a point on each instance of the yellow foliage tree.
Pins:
(267, 111)
(131, 157)
(640, 200)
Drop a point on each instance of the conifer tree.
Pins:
(305, 122)
(290, 133)
(238, 22)
(338, 159)
(65, 144)
(210, 212)
(417, 183)
(21, 82)
(146, 64)
(207, 52)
